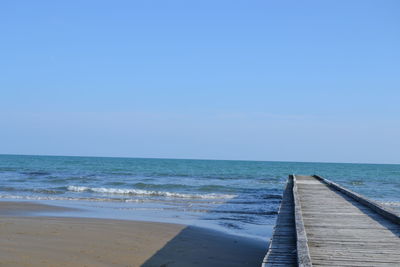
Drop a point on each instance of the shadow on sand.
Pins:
(195, 246)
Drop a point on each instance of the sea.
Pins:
(236, 197)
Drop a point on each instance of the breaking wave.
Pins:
(140, 192)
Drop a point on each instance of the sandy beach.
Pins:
(60, 241)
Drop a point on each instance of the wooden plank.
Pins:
(321, 223)
(344, 231)
(303, 254)
(387, 212)
(282, 248)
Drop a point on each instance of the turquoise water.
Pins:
(240, 197)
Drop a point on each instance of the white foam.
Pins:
(140, 192)
(392, 203)
(77, 188)
(71, 198)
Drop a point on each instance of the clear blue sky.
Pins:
(263, 80)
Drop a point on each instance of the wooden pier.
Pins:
(321, 223)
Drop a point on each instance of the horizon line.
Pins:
(205, 159)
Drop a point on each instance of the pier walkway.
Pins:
(321, 223)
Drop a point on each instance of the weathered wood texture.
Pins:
(303, 253)
(342, 231)
(385, 211)
(282, 249)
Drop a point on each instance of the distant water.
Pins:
(240, 197)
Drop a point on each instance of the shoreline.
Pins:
(24, 208)
(73, 241)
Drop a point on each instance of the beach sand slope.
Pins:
(61, 241)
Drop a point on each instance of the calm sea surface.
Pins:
(239, 197)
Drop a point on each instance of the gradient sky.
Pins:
(257, 80)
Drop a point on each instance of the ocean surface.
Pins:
(238, 197)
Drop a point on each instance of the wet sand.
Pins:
(59, 241)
